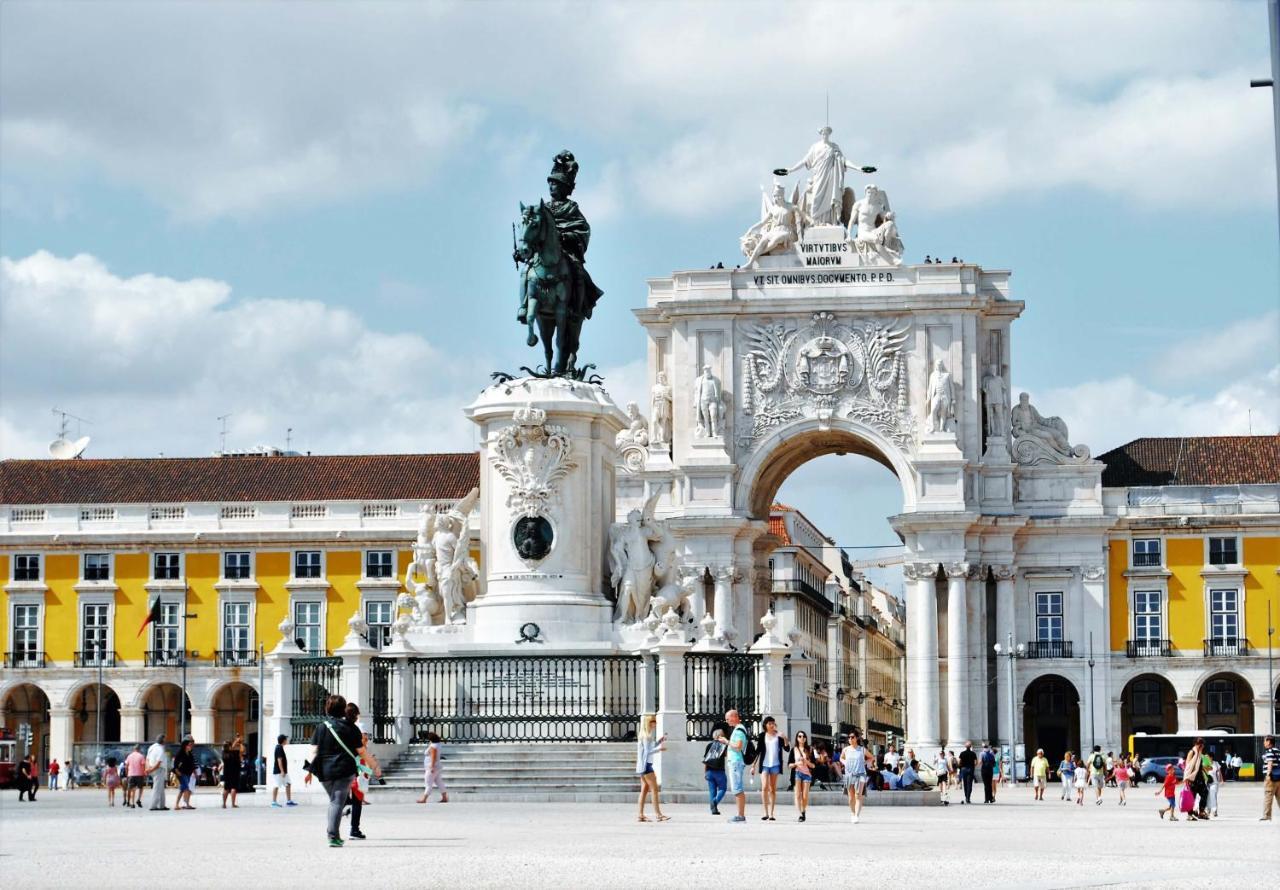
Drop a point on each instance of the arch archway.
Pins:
(1051, 717)
(160, 704)
(27, 705)
(84, 703)
(235, 712)
(1148, 703)
(1225, 701)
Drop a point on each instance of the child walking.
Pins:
(1082, 782)
(1169, 790)
(111, 775)
(1122, 779)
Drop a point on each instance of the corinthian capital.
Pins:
(916, 571)
(729, 573)
(1003, 573)
(957, 570)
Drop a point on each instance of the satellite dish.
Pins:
(62, 449)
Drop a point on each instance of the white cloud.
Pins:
(1240, 346)
(152, 361)
(216, 110)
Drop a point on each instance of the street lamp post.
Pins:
(98, 753)
(1013, 654)
(1271, 679)
(182, 699)
(1093, 719)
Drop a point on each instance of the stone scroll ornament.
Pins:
(823, 368)
(533, 456)
(1042, 440)
(633, 441)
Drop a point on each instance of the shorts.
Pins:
(187, 783)
(859, 783)
(1098, 779)
(803, 777)
(1170, 802)
(772, 770)
(1039, 781)
(280, 780)
(648, 768)
(735, 772)
(137, 781)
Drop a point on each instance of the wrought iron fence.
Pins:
(162, 658)
(95, 657)
(1049, 649)
(314, 680)
(715, 683)
(1226, 646)
(381, 698)
(1149, 648)
(588, 698)
(25, 658)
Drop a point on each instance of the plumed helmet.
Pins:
(564, 169)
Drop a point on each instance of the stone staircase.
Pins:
(551, 771)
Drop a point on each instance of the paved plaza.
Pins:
(71, 838)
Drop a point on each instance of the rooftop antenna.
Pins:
(827, 120)
(222, 447)
(288, 440)
(1251, 421)
(63, 448)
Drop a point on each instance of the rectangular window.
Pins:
(1223, 552)
(165, 641)
(306, 564)
(1220, 697)
(379, 564)
(1224, 614)
(166, 566)
(97, 567)
(26, 633)
(1148, 616)
(26, 567)
(307, 627)
(1146, 552)
(1049, 617)
(235, 565)
(236, 637)
(378, 616)
(94, 639)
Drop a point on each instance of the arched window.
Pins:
(1147, 700)
(1220, 697)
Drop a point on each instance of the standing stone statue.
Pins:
(824, 202)
(942, 399)
(556, 292)
(708, 396)
(996, 403)
(660, 411)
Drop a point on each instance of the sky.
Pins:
(299, 215)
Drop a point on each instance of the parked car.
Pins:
(1153, 769)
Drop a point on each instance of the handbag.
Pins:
(362, 771)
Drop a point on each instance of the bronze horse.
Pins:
(545, 291)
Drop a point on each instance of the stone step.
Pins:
(786, 811)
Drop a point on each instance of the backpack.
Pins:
(1099, 763)
(750, 750)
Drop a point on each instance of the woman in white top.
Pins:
(940, 767)
(854, 758)
(648, 745)
(431, 770)
(772, 747)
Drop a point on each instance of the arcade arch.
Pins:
(1051, 717)
(26, 704)
(1148, 704)
(160, 711)
(235, 712)
(1225, 702)
(86, 703)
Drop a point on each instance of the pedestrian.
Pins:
(333, 761)
(1039, 773)
(54, 770)
(184, 764)
(740, 751)
(854, 758)
(158, 768)
(1215, 782)
(987, 764)
(280, 774)
(713, 756)
(771, 745)
(1270, 766)
(232, 764)
(1111, 768)
(111, 776)
(968, 762)
(365, 770)
(940, 767)
(1122, 780)
(72, 777)
(34, 764)
(1081, 781)
(1236, 762)
(1006, 769)
(431, 771)
(135, 771)
(890, 759)
(24, 779)
(1188, 802)
(1193, 772)
(801, 760)
(1170, 791)
(1067, 774)
(648, 744)
(1097, 773)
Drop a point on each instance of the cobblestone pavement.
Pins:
(73, 839)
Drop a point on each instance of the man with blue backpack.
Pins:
(741, 752)
(987, 763)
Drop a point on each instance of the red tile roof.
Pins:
(778, 528)
(166, 480)
(1194, 460)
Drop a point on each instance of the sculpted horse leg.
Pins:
(548, 326)
(562, 338)
(531, 320)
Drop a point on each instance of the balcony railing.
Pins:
(24, 659)
(1148, 648)
(94, 658)
(162, 658)
(795, 585)
(236, 657)
(1049, 649)
(1226, 646)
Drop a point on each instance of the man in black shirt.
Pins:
(968, 761)
(184, 764)
(988, 762)
(280, 774)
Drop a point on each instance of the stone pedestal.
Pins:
(547, 500)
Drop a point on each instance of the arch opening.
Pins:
(26, 714)
(1225, 702)
(1051, 717)
(1148, 704)
(235, 713)
(87, 703)
(161, 711)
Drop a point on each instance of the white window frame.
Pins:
(26, 600)
(1212, 588)
(299, 599)
(13, 567)
(1208, 551)
(222, 566)
(103, 598)
(1061, 615)
(364, 564)
(390, 604)
(179, 606)
(248, 603)
(244, 594)
(182, 567)
(293, 566)
(1133, 551)
(111, 567)
(1162, 613)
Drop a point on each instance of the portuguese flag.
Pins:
(153, 615)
